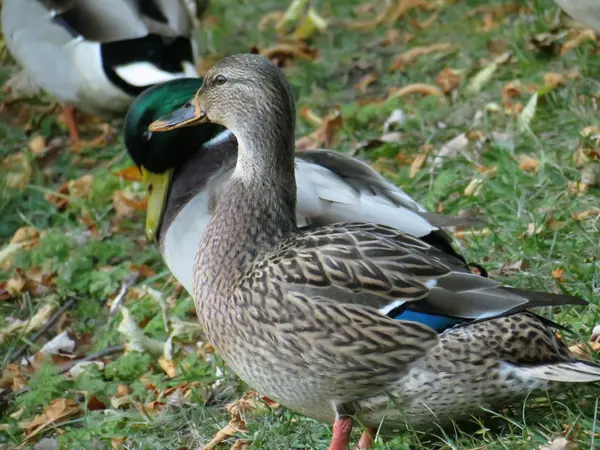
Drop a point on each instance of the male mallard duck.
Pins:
(98, 55)
(585, 11)
(187, 169)
(307, 317)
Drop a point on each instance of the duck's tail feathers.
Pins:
(576, 371)
(539, 299)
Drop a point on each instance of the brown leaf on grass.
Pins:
(283, 53)
(26, 325)
(365, 82)
(514, 267)
(368, 24)
(16, 170)
(122, 390)
(94, 404)
(69, 190)
(58, 411)
(560, 444)
(250, 404)
(590, 213)
(559, 275)
(511, 91)
(417, 88)
(499, 10)
(449, 79)
(271, 17)
(577, 38)
(401, 61)
(420, 159)
(143, 270)
(127, 204)
(529, 163)
(240, 444)
(131, 173)
(474, 188)
(13, 377)
(404, 6)
(234, 426)
(37, 144)
(24, 237)
(324, 136)
(584, 350)
(168, 365)
(33, 281)
(555, 79)
(116, 443)
(427, 23)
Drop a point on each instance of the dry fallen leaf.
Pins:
(560, 444)
(127, 203)
(417, 88)
(26, 325)
(514, 267)
(168, 365)
(365, 82)
(591, 213)
(420, 159)
(324, 136)
(69, 190)
(449, 79)
(559, 275)
(59, 410)
(529, 163)
(131, 173)
(24, 237)
(576, 38)
(240, 444)
(281, 54)
(13, 377)
(16, 171)
(33, 280)
(410, 56)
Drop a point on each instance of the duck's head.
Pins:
(158, 155)
(251, 97)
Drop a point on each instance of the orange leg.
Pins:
(69, 115)
(342, 427)
(366, 439)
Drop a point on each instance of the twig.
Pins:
(101, 354)
(67, 305)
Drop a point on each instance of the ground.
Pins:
(514, 88)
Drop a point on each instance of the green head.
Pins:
(158, 155)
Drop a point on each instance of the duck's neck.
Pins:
(254, 213)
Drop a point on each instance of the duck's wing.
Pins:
(333, 188)
(378, 267)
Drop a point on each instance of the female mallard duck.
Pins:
(307, 317)
(186, 170)
(98, 55)
(585, 11)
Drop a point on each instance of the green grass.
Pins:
(92, 268)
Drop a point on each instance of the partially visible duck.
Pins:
(585, 11)
(98, 55)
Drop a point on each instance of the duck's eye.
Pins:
(147, 135)
(220, 80)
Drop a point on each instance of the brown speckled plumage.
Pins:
(301, 316)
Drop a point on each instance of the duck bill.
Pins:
(158, 187)
(182, 117)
